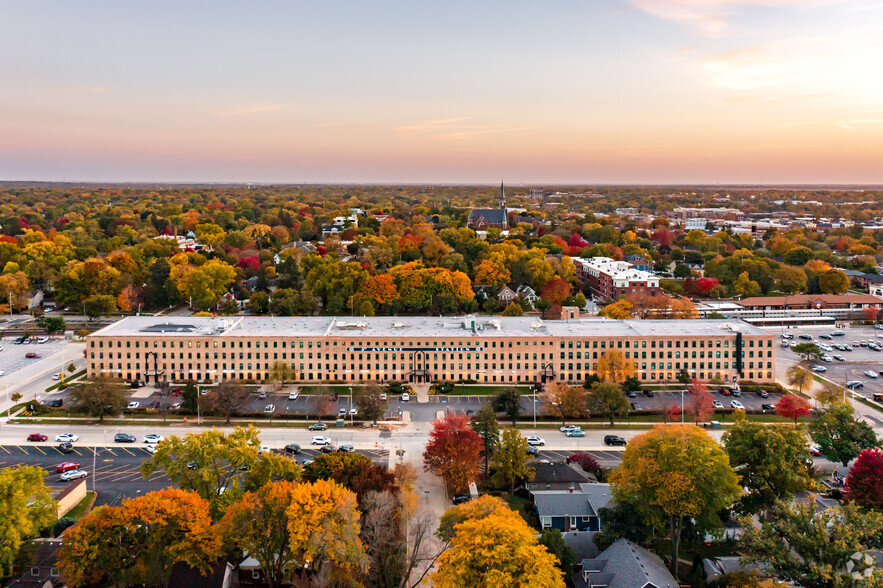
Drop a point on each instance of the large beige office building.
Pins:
(483, 349)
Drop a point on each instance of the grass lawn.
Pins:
(340, 389)
(481, 390)
(82, 509)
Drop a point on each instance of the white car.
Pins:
(737, 405)
(566, 428)
(73, 475)
(66, 438)
(152, 438)
(536, 441)
(133, 405)
(382, 394)
(264, 448)
(177, 405)
(151, 449)
(819, 368)
(293, 395)
(406, 397)
(43, 340)
(354, 411)
(56, 376)
(270, 408)
(871, 374)
(319, 440)
(718, 404)
(827, 358)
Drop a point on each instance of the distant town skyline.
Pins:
(564, 92)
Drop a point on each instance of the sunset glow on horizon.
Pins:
(570, 91)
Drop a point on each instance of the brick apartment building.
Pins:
(609, 279)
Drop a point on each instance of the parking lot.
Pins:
(12, 357)
(855, 363)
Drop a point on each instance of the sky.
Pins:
(452, 91)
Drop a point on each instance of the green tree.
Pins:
(828, 548)
(53, 324)
(798, 255)
(839, 435)
(509, 401)
(370, 401)
(280, 372)
(771, 460)
(606, 399)
(833, 282)
(674, 474)
(509, 461)
(808, 351)
(745, 287)
(26, 506)
(514, 309)
(99, 305)
(99, 397)
(485, 424)
(553, 540)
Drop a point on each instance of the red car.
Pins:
(32, 355)
(66, 467)
(176, 392)
(37, 437)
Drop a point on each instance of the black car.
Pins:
(763, 394)
(614, 440)
(531, 450)
(292, 448)
(461, 498)
(66, 448)
(648, 393)
(631, 394)
(123, 438)
(57, 403)
(327, 449)
(768, 406)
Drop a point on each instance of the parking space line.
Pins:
(23, 450)
(6, 450)
(127, 451)
(40, 450)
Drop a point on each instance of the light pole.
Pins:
(197, 404)
(351, 406)
(682, 406)
(534, 407)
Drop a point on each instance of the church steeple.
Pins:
(502, 197)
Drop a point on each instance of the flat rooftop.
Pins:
(416, 326)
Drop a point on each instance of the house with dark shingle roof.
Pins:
(573, 509)
(624, 565)
(556, 476)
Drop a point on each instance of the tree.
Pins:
(258, 303)
(370, 401)
(622, 519)
(839, 435)
(816, 548)
(683, 376)
(140, 541)
(510, 460)
(99, 305)
(26, 506)
(280, 372)
(771, 460)
(484, 422)
(830, 393)
(53, 324)
(13, 289)
(257, 524)
(514, 309)
(227, 399)
(864, 485)
(673, 474)
(606, 399)
(620, 310)
(494, 548)
(218, 460)
(453, 452)
(555, 291)
(509, 402)
(798, 255)
(568, 402)
(99, 397)
(808, 351)
(701, 404)
(323, 530)
(792, 406)
(490, 273)
(745, 286)
(833, 282)
(614, 366)
(553, 541)
(353, 471)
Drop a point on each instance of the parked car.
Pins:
(318, 427)
(839, 358)
(837, 333)
(151, 449)
(631, 394)
(123, 438)
(37, 437)
(614, 440)
(825, 336)
(767, 406)
(737, 405)
(461, 498)
(855, 384)
(575, 433)
(293, 395)
(787, 336)
(66, 438)
(718, 404)
(66, 447)
(326, 449)
(66, 467)
(341, 412)
(73, 475)
(133, 405)
(383, 396)
(292, 448)
(270, 408)
(814, 451)
(355, 411)
(320, 440)
(152, 438)
(763, 394)
(535, 440)
(262, 395)
(346, 449)
(32, 355)
(819, 368)
(648, 393)
(725, 391)
(406, 397)
(531, 450)
(57, 403)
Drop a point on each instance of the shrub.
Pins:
(586, 462)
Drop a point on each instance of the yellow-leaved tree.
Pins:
(491, 545)
(614, 366)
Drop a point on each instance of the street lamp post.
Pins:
(682, 407)
(351, 406)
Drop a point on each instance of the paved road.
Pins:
(117, 473)
(31, 377)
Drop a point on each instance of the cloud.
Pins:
(451, 128)
(248, 110)
(710, 17)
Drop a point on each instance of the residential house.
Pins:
(42, 572)
(506, 295)
(624, 565)
(556, 476)
(574, 509)
(526, 292)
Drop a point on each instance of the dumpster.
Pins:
(340, 422)
(715, 424)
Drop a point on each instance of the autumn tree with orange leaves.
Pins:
(140, 541)
(701, 405)
(453, 452)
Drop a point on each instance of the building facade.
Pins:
(420, 349)
(609, 279)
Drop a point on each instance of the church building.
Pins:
(482, 219)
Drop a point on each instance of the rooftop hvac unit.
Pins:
(353, 325)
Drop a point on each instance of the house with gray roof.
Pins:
(624, 565)
(556, 476)
(574, 509)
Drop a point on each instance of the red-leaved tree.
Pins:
(864, 485)
(701, 405)
(555, 291)
(454, 452)
(792, 406)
